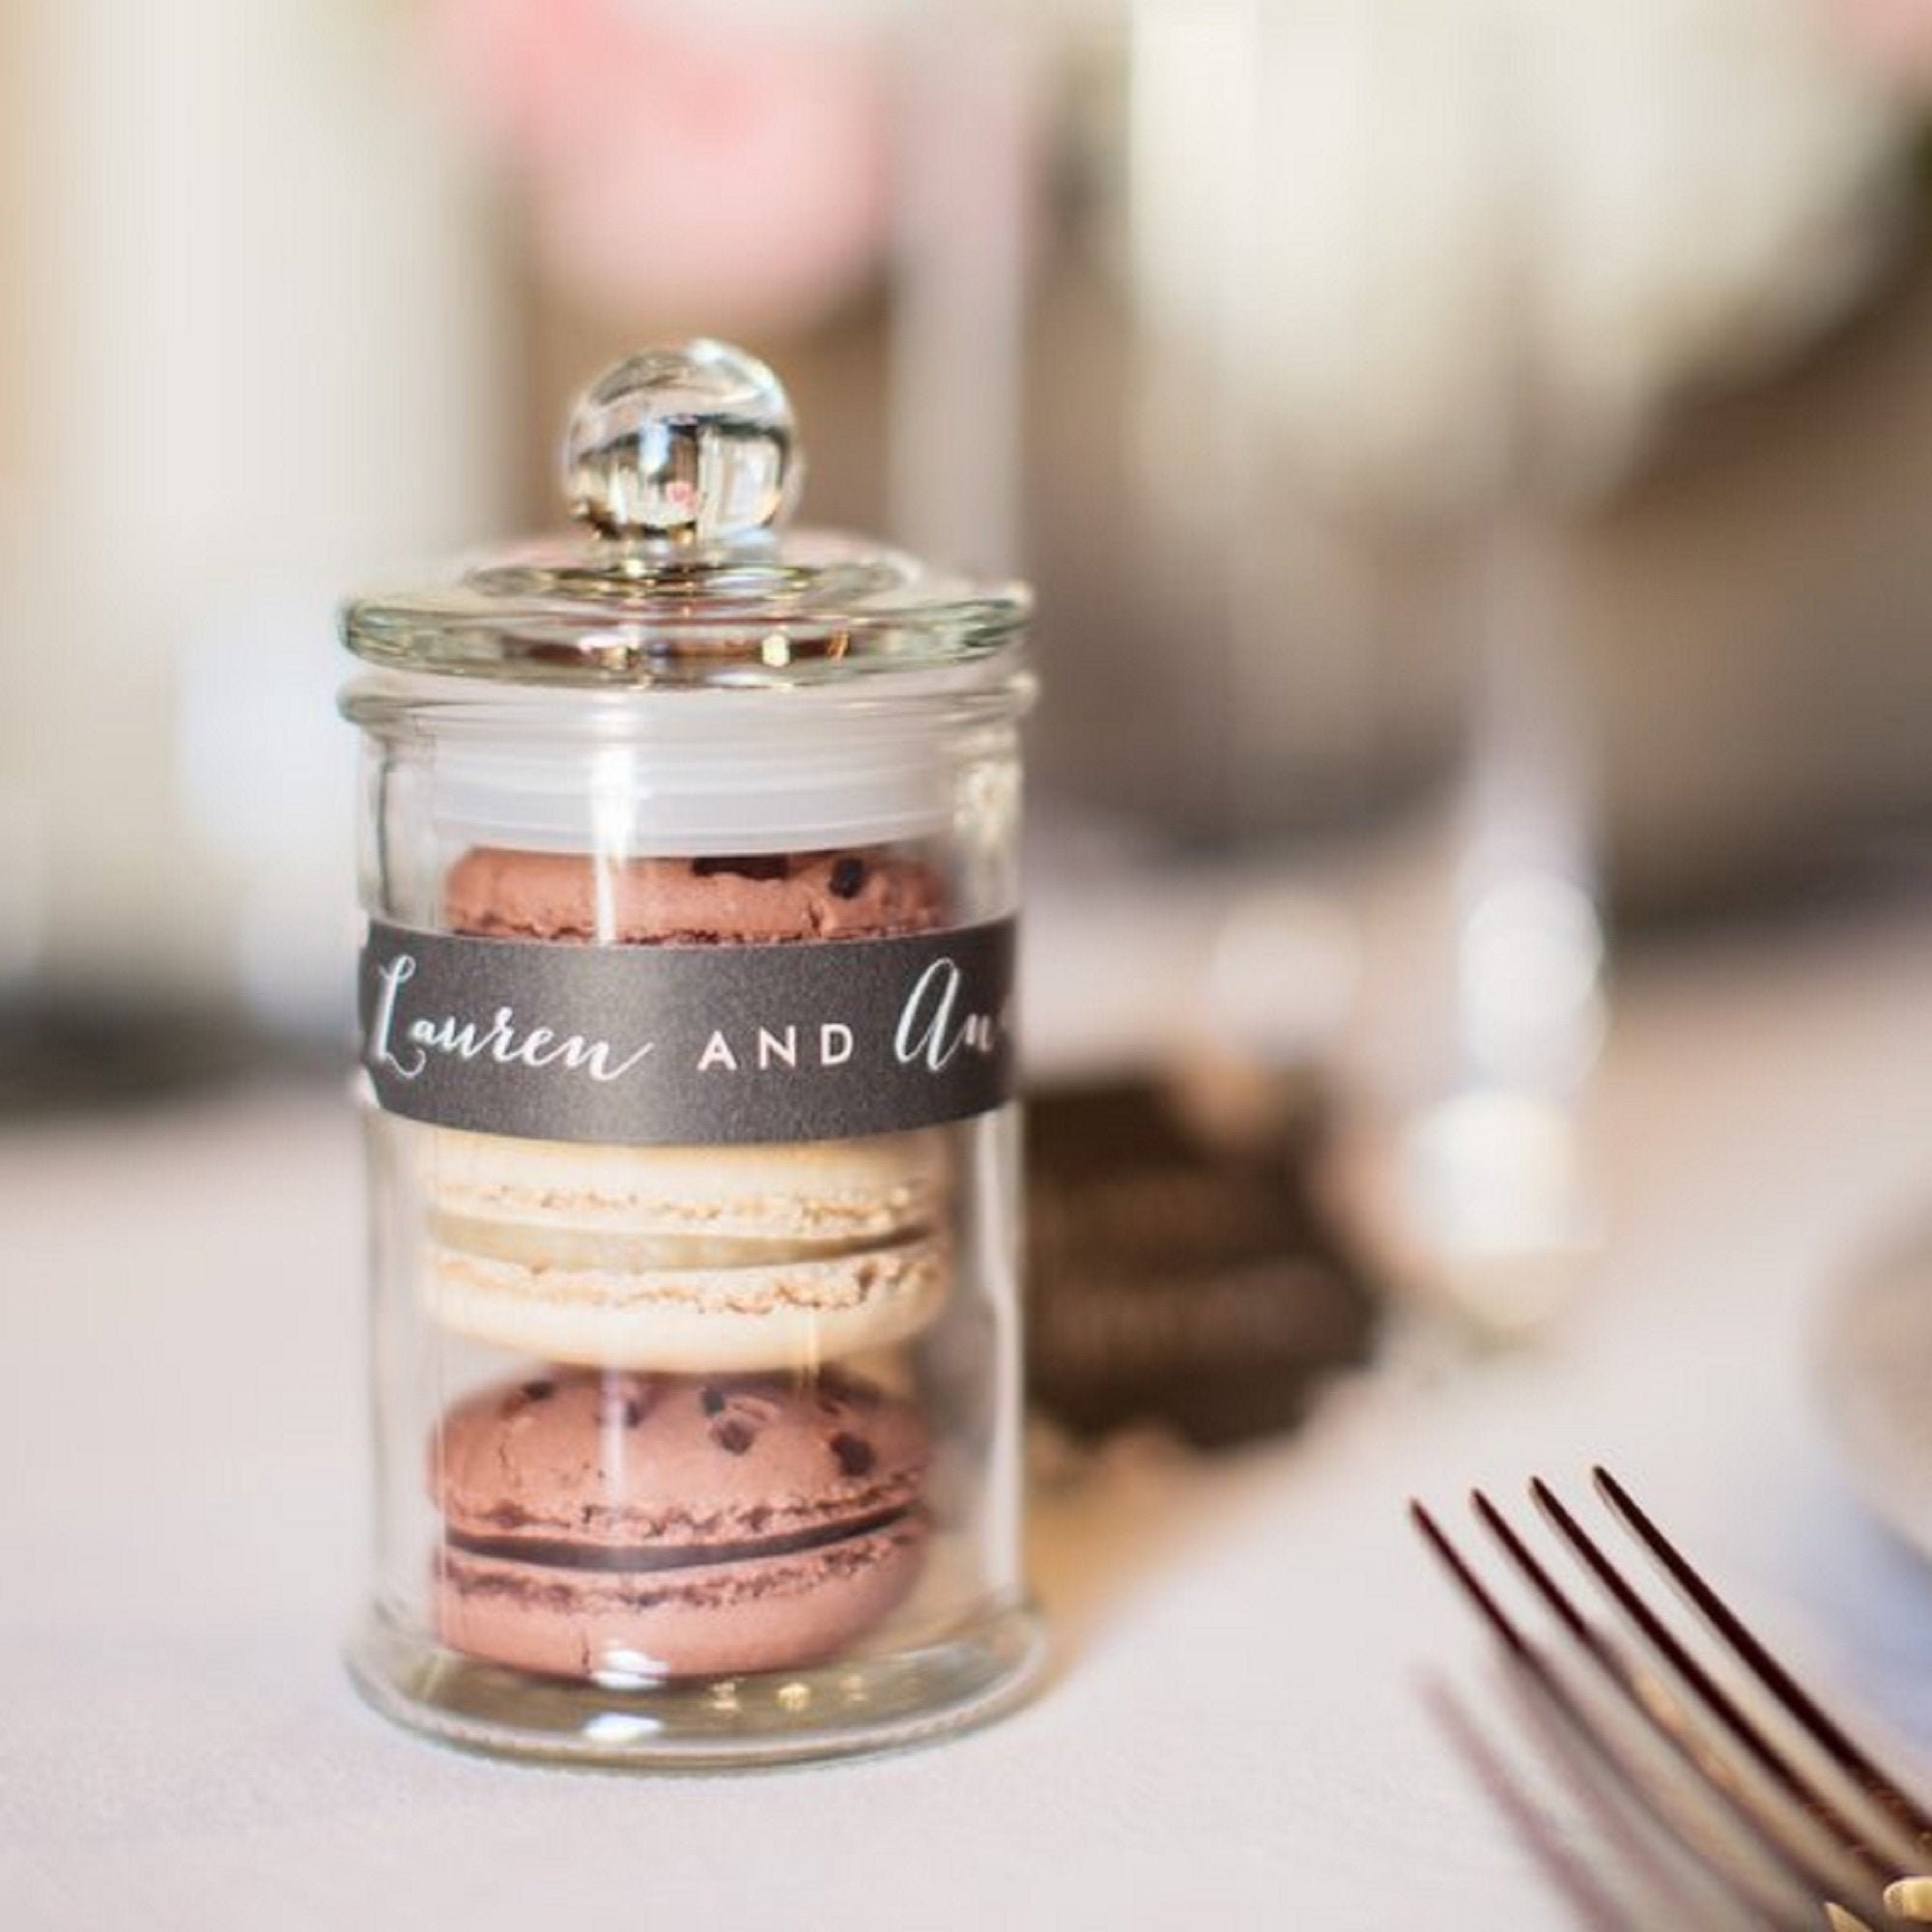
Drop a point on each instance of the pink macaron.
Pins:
(760, 898)
(603, 1524)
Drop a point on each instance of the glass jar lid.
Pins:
(681, 464)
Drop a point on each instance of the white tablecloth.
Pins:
(1248, 1721)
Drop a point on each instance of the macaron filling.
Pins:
(546, 1250)
(562, 1555)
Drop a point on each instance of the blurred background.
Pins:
(1472, 458)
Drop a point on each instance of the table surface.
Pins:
(1266, 1707)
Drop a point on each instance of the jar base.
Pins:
(860, 1704)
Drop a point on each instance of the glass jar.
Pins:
(688, 861)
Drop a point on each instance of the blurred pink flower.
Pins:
(685, 165)
(1894, 36)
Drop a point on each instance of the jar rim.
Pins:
(533, 618)
(414, 699)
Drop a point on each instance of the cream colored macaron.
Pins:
(687, 1258)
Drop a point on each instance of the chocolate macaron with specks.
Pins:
(761, 898)
(658, 1526)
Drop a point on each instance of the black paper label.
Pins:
(689, 1045)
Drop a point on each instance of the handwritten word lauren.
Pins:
(498, 1038)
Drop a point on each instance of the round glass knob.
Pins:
(694, 443)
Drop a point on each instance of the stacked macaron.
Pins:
(675, 1526)
(693, 1482)
(689, 1259)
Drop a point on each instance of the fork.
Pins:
(1781, 1802)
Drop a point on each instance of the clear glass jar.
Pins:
(688, 863)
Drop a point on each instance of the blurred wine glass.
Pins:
(1299, 334)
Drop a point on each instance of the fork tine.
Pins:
(1769, 1760)
(1535, 1667)
(1851, 1758)
(1474, 1588)
(1821, 1873)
